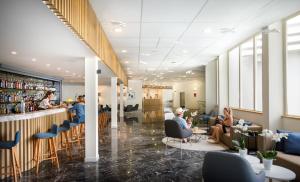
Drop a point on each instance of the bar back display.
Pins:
(17, 89)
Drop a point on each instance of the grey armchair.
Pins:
(173, 130)
(222, 166)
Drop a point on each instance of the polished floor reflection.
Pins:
(133, 152)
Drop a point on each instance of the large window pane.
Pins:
(234, 78)
(293, 66)
(258, 77)
(247, 89)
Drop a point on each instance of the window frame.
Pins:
(285, 59)
(239, 45)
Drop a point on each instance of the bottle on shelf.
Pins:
(22, 106)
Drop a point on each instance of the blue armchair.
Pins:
(222, 166)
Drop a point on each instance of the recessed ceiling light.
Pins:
(118, 29)
(170, 71)
(33, 60)
(188, 72)
(123, 51)
(185, 51)
(207, 30)
(126, 62)
(143, 62)
(58, 68)
(13, 52)
(67, 71)
(48, 65)
(192, 73)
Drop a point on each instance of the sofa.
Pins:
(228, 137)
(288, 161)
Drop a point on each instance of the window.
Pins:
(234, 81)
(258, 72)
(293, 66)
(247, 75)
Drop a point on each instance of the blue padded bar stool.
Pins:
(11, 145)
(64, 143)
(50, 137)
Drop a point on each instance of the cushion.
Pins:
(45, 135)
(280, 145)
(294, 159)
(292, 144)
(7, 144)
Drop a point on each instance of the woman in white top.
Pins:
(45, 103)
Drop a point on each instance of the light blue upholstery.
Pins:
(10, 144)
(222, 166)
(53, 133)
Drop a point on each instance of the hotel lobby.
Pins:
(150, 90)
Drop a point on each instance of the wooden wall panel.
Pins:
(28, 128)
(81, 18)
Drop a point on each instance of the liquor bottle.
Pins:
(22, 106)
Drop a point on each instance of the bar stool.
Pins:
(38, 154)
(63, 131)
(11, 145)
(75, 134)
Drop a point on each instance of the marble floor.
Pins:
(133, 152)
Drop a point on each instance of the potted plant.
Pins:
(269, 155)
(240, 143)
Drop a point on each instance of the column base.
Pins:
(92, 158)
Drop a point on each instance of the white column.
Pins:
(272, 78)
(91, 110)
(121, 100)
(114, 144)
(114, 102)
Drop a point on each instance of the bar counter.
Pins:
(28, 124)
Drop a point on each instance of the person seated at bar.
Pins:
(45, 103)
(79, 109)
(223, 125)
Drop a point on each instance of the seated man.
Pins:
(182, 122)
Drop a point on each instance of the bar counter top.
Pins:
(30, 115)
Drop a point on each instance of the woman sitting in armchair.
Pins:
(223, 125)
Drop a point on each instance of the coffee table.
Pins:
(198, 134)
(276, 172)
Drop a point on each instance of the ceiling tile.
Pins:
(170, 10)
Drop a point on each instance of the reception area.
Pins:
(149, 90)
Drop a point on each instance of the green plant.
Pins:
(276, 137)
(239, 144)
(269, 154)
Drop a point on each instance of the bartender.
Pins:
(45, 103)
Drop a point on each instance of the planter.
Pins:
(268, 163)
(243, 152)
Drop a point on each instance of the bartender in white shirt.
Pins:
(45, 103)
